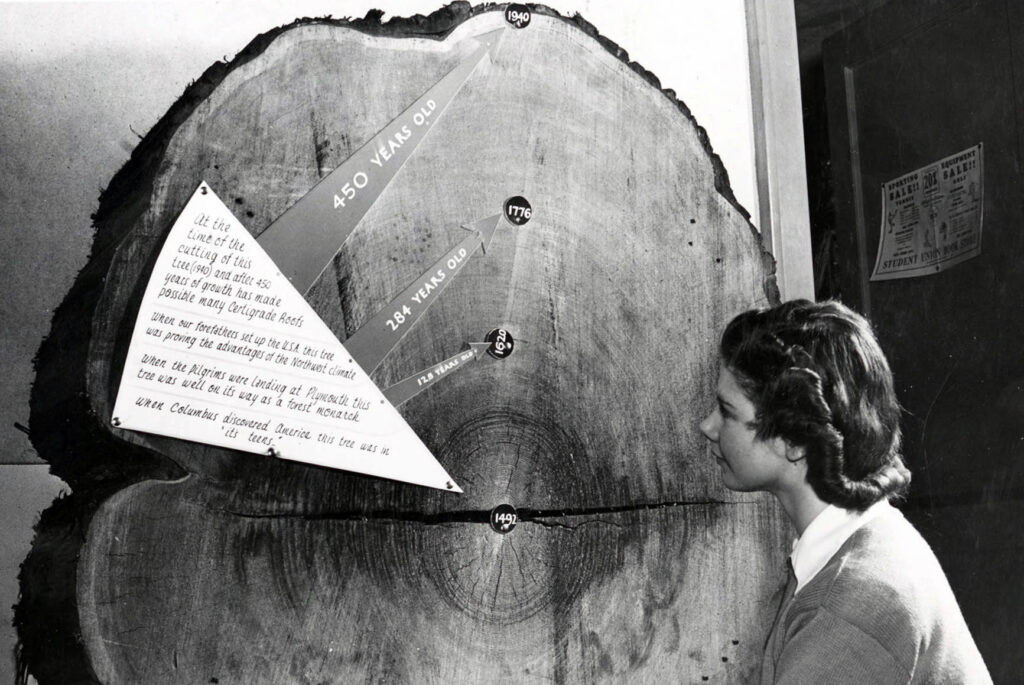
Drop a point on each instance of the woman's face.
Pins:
(748, 463)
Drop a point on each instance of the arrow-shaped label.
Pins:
(377, 337)
(404, 390)
(304, 239)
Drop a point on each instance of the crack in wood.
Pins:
(538, 516)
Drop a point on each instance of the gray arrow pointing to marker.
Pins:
(304, 239)
(406, 389)
(377, 337)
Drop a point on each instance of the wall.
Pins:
(909, 85)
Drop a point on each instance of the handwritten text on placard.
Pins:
(225, 351)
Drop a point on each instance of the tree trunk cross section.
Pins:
(628, 561)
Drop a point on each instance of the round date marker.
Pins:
(502, 343)
(504, 518)
(518, 16)
(518, 210)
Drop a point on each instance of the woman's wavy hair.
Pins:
(819, 380)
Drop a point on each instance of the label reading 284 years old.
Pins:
(226, 351)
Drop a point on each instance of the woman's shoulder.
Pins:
(886, 562)
(886, 582)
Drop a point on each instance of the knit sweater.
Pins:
(881, 611)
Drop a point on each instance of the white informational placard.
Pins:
(931, 218)
(226, 352)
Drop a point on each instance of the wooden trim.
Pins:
(860, 225)
(777, 118)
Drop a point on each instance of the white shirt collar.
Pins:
(825, 535)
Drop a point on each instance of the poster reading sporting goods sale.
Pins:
(931, 217)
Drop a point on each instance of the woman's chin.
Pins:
(732, 483)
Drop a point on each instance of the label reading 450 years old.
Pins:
(226, 351)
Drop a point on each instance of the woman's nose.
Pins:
(709, 426)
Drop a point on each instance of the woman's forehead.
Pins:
(730, 393)
(728, 386)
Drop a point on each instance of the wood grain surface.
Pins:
(631, 562)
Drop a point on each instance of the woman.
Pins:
(806, 411)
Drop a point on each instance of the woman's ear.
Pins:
(794, 454)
